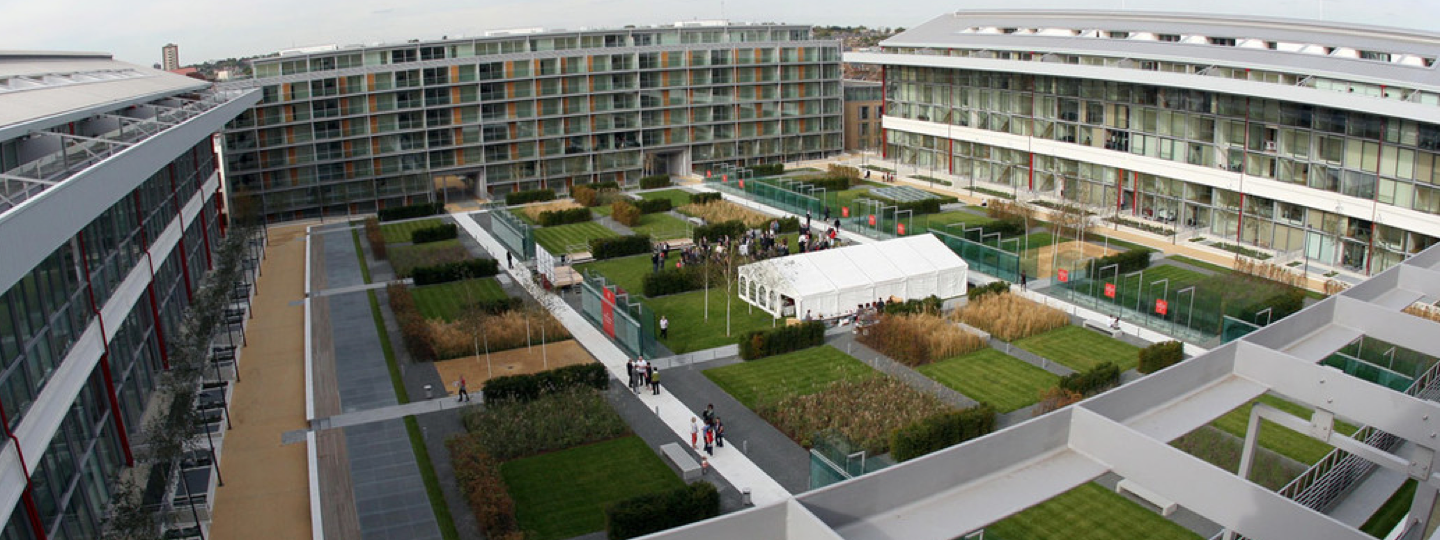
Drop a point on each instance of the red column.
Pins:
(1240, 219)
(952, 156)
(105, 357)
(1032, 171)
(1135, 187)
(1119, 187)
(154, 307)
(32, 512)
(884, 147)
(180, 213)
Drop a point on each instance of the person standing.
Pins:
(709, 414)
(509, 260)
(694, 434)
(630, 371)
(464, 393)
(655, 381)
(709, 440)
(664, 327)
(719, 433)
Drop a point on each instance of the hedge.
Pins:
(534, 195)
(830, 183)
(651, 206)
(445, 273)
(410, 212)
(531, 386)
(414, 331)
(619, 246)
(941, 431)
(792, 224)
(478, 476)
(565, 217)
(437, 233)
(762, 343)
(654, 512)
(702, 198)
(994, 287)
(585, 196)
(1098, 379)
(655, 181)
(771, 169)
(714, 231)
(376, 238)
(601, 186)
(931, 304)
(1160, 356)
(673, 281)
(1133, 260)
(497, 306)
(625, 213)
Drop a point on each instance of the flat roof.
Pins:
(35, 86)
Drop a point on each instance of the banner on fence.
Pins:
(1064, 275)
(607, 313)
(1161, 306)
(1109, 290)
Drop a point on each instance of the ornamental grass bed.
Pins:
(1010, 317)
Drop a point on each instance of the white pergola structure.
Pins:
(835, 281)
(964, 488)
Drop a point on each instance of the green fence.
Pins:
(516, 235)
(989, 260)
(835, 459)
(630, 324)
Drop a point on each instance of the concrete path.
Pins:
(739, 470)
(357, 288)
(884, 364)
(1030, 358)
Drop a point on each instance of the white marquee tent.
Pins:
(834, 281)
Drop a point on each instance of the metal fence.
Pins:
(516, 235)
(833, 459)
(628, 323)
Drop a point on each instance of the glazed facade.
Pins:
(352, 130)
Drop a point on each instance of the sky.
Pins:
(135, 30)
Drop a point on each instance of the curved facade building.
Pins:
(108, 222)
(1298, 138)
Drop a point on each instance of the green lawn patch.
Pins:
(400, 232)
(1282, 440)
(1392, 512)
(559, 239)
(564, 494)
(602, 210)
(1080, 349)
(629, 272)
(1114, 243)
(776, 378)
(662, 226)
(993, 377)
(447, 300)
(678, 197)
(1199, 263)
(1089, 512)
(689, 331)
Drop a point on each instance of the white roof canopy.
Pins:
(834, 281)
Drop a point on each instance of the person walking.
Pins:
(655, 381)
(664, 327)
(464, 393)
(719, 433)
(694, 434)
(509, 260)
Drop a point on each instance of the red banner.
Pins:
(707, 174)
(1109, 290)
(844, 211)
(607, 313)
(742, 183)
(724, 178)
(1064, 275)
(872, 220)
(1161, 306)
(900, 229)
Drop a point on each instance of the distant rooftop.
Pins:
(39, 85)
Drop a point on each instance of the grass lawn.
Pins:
(1089, 512)
(564, 494)
(1202, 264)
(1080, 349)
(558, 239)
(992, 377)
(447, 300)
(662, 225)
(678, 197)
(628, 272)
(689, 331)
(1126, 287)
(776, 378)
(1282, 440)
(1392, 512)
(602, 210)
(400, 232)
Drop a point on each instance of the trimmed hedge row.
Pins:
(376, 238)
(534, 195)
(654, 512)
(941, 431)
(409, 212)
(770, 169)
(930, 304)
(445, 273)
(414, 331)
(792, 224)
(565, 217)
(673, 280)
(762, 343)
(1099, 379)
(714, 231)
(1160, 356)
(499, 305)
(830, 183)
(651, 206)
(1130, 261)
(585, 196)
(702, 198)
(437, 233)
(534, 385)
(619, 246)
(478, 474)
(994, 287)
(625, 213)
(655, 181)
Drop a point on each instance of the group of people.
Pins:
(888, 177)
(862, 315)
(712, 433)
(642, 373)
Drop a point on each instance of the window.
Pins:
(864, 112)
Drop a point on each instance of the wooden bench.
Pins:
(1166, 506)
(689, 468)
(1102, 328)
(566, 276)
(581, 257)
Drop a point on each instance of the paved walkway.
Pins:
(735, 467)
(266, 494)
(357, 288)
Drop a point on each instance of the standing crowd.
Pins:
(712, 433)
(642, 373)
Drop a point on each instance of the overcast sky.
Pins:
(134, 30)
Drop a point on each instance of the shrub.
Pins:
(497, 306)
(558, 420)
(770, 169)
(655, 181)
(1056, 398)
(414, 330)
(865, 411)
(1130, 261)
(941, 431)
(842, 171)
(831, 183)
(715, 231)
(534, 211)
(619, 246)
(531, 386)
(534, 195)
(654, 512)
(564, 217)
(762, 343)
(916, 340)
(994, 287)
(375, 238)
(478, 475)
(1009, 317)
(721, 211)
(702, 198)
(1160, 356)
(930, 305)
(434, 234)
(1098, 379)
(673, 281)
(625, 213)
(789, 224)
(406, 258)
(500, 331)
(410, 212)
(651, 206)
(445, 273)
(585, 195)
